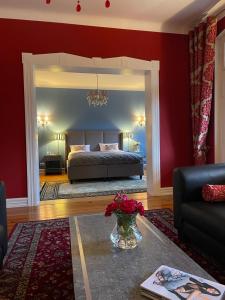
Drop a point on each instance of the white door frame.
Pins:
(151, 71)
(219, 103)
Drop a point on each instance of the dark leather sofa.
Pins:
(199, 222)
(3, 223)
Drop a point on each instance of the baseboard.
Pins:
(16, 202)
(166, 191)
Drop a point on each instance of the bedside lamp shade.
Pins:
(128, 135)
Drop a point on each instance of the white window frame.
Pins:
(219, 105)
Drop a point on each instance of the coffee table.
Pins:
(102, 272)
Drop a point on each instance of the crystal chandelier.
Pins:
(78, 6)
(97, 97)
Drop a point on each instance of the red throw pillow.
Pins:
(213, 193)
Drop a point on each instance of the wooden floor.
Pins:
(68, 207)
(53, 178)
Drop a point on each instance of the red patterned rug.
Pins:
(38, 264)
(163, 220)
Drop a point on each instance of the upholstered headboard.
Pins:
(92, 138)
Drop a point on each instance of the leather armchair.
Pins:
(199, 222)
(3, 223)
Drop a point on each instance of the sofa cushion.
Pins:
(208, 217)
(213, 192)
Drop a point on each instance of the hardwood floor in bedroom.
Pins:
(61, 208)
(67, 207)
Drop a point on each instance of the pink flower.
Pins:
(128, 206)
(117, 197)
(112, 207)
(120, 197)
(140, 208)
(122, 204)
(124, 197)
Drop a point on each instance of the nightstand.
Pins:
(53, 164)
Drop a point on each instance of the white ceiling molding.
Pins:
(118, 23)
(154, 15)
(69, 80)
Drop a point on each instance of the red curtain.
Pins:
(202, 64)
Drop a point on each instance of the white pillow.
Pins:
(80, 148)
(109, 147)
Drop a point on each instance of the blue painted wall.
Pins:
(69, 109)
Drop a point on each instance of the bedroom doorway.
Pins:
(64, 109)
(150, 71)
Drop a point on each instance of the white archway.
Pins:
(151, 71)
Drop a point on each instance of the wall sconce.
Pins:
(43, 121)
(141, 121)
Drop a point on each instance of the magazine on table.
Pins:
(171, 284)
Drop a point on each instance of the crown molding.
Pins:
(117, 23)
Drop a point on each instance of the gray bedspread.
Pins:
(103, 158)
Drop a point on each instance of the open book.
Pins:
(171, 284)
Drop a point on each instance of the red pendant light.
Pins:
(78, 6)
(107, 3)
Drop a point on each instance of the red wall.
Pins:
(41, 37)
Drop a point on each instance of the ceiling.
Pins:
(151, 15)
(57, 78)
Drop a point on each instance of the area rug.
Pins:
(38, 264)
(163, 220)
(65, 190)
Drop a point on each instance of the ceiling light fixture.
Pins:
(97, 97)
(78, 6)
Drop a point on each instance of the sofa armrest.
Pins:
(188, 183)
(3, 216)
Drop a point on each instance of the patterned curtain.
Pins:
(202, 64)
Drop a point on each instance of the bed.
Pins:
(100, 164)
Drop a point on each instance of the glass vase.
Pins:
(125, 234)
